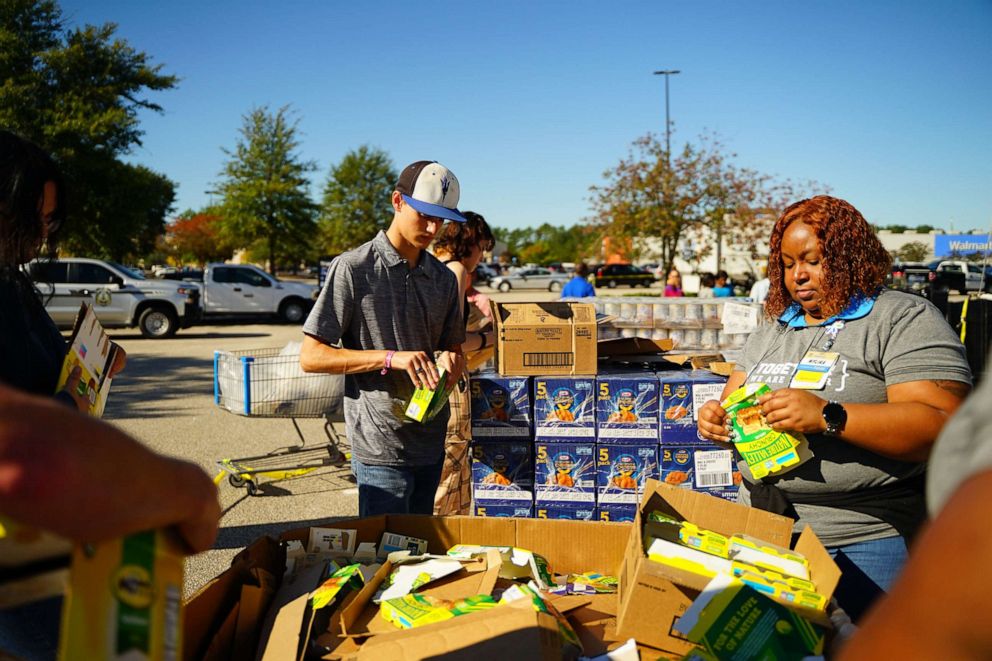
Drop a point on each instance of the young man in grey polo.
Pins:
(388, 309)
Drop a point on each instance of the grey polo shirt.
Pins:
(373, 300)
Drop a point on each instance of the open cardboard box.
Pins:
(225, 618)
(545, 339)
(654, 595)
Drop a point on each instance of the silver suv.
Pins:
(121, 297)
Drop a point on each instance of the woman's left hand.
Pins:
(791, 409)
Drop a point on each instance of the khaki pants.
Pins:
(454, 493)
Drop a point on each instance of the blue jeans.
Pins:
(396, 490)
(868, 571)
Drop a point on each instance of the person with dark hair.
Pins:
(706, 283)
(389, 316)
(579, 286)
(460, 247)
(673, 285)
(722, 287)
(869, 375)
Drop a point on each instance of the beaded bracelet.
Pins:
(389, 363)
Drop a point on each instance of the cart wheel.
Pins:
(236, 481)
(252, 487)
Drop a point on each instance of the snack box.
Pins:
(653, 595)
(622, 470)
(571, 511)
(564, 408)
(425, 404)
(501, 407)
(764, 450)
(502, 510)
(503, 472)
(626, 408)
(623, 512)
(681, 395)
(704, 468)
(564, 473)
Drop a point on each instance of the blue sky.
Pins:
(889, 102)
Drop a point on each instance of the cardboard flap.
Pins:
(573, 547)
(507, 632)
(283, 628)
(629, 346)
(823, 570)
(697, 361)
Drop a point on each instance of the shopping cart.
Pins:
(269, 383)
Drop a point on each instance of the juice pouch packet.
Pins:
(425, 403)
(765, 450)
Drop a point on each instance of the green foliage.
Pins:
(77, 93)
(356, 200)
(264, 186)
(546, 244)
(665, 197)
(914, 251)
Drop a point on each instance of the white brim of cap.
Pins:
(435, 210)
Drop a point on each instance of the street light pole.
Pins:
(668, 125)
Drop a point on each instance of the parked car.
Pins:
(961, 276)
(120, 297)
(243, 289)
(530, 278)
(484, 274)
(612, 275)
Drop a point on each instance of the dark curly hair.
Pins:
(457, 239)
(854, 260)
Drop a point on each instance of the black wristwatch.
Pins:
(836, 418)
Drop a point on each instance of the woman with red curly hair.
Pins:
(889, 373)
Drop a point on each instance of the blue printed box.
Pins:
(501, 407)
(520, 511)
(564, 408)
(621, 513)
(572, 511)
(622, 470)
(627, 408)
(703, 468)
(564, 473)
(503, 472)
(682, 394)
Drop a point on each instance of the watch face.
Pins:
(834, 414)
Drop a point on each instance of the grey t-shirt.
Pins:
(374, 300)
(903, 338)
(963, 450)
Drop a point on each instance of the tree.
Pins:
(197, 237)
(547, 243)
(915, 251)
(264, 188)
(78, 93)
(644, 196)
(356, 199)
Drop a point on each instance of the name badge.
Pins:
(814, 369)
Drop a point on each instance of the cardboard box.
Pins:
(623, 470)
(569, 511)
(627, 408)
(654, 595)
(682, 393)
(555, 338)
(622, 513)
(501, 408)
(502, 510)
(221, 617)
(564, 473)
(703, 468)
(564, 408)
(503, 473)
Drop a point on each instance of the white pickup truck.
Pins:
(958, 272)
(120, 297)
(243, 289)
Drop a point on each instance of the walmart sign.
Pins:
(945, 245)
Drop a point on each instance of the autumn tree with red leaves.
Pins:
(196, 237)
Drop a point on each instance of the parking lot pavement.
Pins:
(164, 398)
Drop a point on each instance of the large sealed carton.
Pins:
(704, 468)
(570, 511)
(623, 470)
(501, 408)
(230, 617)
(555, 338)
(503, 473)
(565, 473)
(654, 595)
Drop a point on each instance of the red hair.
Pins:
(854, 260)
